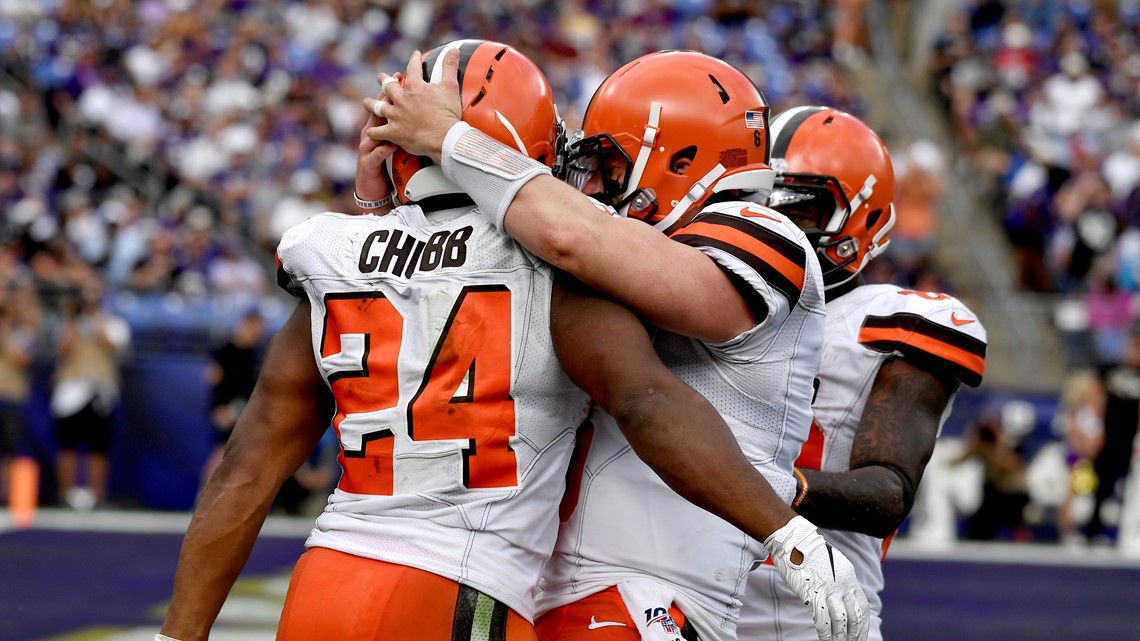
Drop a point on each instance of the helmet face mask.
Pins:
(812, 202)
(599, 159)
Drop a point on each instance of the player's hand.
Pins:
(416, 113)
(823, 578)
(372, 181)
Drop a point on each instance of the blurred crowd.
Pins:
(1061, 469)
(1044, 99)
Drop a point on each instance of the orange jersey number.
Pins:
(926, 295)
(464, 394)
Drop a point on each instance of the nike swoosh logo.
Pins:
(960, 321)
(594, 624)
(830, 559)
(748, 212)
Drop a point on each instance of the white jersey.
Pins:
(865, 327)
(627, 524)
(456, 422)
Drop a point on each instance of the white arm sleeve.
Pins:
(489, 171)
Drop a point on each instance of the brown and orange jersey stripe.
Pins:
(779, 260)
(938, 347)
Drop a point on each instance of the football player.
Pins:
(425, 336)
(671, 141)
(893, 360)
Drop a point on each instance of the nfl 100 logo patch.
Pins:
(654, 616)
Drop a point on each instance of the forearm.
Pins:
(548, 217)
(606, 351)
(683, 439)
(889, 451)
(618, 256)
(557, 223)
(286, 416)
(868, 500)
(218, 542)
(564, 228)
(233, 507)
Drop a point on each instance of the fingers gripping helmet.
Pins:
(503, 94)
(832, 169)
(668, 130)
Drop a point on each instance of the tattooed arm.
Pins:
(892, 446)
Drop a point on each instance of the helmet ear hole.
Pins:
(680, 161)
(873, 218)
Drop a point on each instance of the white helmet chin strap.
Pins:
(699, 188)
(695, 193)
(758, 180)
(879, 244)
(864, 193)
(648, 139)
(880, 241)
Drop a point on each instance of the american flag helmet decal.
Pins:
(754, 119)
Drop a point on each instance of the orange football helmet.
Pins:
(667, 131)
(503, 94)
(834, 177)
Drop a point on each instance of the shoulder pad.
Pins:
(760, 238)
(931, 328)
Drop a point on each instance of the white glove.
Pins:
(824, 580)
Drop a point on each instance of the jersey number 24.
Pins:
(463, 394)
